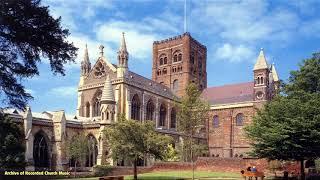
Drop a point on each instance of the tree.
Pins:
(132, 140)
(27, 34)
(192, 117)
(77, 149)
(288, 127)
(11, 144)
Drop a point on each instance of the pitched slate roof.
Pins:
(226, 94)
(150, 85)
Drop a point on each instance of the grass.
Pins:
(171, 175)
(175, 175)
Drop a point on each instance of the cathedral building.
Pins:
(106, 90)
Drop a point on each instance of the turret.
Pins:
(107, 102)
(123, 57)
(85, 63)
(261, 78)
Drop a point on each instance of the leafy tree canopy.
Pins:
(131, 140)
(192, 116)
(288, 127)
(27, 34)
(11, 144)
(307, 78)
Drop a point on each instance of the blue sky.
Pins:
(233, 31)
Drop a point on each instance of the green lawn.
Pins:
(174, 175)
(170, 175)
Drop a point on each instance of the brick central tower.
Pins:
(178, 61)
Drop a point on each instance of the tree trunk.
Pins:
(302, 169)
(75, 168)
(135, 176)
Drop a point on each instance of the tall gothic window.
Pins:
(165, 60)
(92, 154)
(163, 115)
(40, 151)
(175, 85)
(173, 118)
(87, 110)
(150, 110)
(161, 61)
(239, 119)
(96, 103)
(180, 57)
(135, 108)
(215, 122)
(175, 58)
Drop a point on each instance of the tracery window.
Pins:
(96, 104)
(239, 119)
(150, 110)
(40, 150)
(163, 114)
(99, 70)
(92, 154)
(135, 108)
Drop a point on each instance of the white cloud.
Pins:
(227, 52)
(139, 39)
(64, 91)
(80, 40)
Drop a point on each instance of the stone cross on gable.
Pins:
(101, 50)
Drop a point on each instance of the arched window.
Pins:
(173, 118)
(180, 57)
(239, 119)
(164, 71)
(40, 151)
(91, 159)
(150, 110)
(175, 58)
(163, 115)
(161, 61)
(215, 122)
(135, 108)
(96, 103)
(87, 110)
(261, 80)
(192, 58)
(165, 60)
(175, 85)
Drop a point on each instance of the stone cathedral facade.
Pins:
(106, 90)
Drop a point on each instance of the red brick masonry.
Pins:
(206, 164)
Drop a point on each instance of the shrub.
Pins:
(102, 170)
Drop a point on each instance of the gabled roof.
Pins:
(261, 62)
(232, 93)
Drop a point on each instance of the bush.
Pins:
(102, 170)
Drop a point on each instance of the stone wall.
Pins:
(208, 164)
